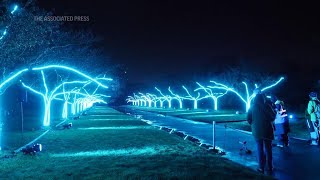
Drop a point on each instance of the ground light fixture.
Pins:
(32, 150)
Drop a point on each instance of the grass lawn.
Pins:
(110, 145)
(225, 117)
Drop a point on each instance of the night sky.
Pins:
(157, 40)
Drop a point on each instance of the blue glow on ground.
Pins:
(116, 128)
(114, 152)
(122, 119)
(215, 115)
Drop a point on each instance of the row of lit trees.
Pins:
(26, 42)
(214, 91)
(79, 93)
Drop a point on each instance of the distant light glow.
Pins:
(291, 116)
(5, 31)
(14, 9)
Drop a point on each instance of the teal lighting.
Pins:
(78, 105)
(195, 98)
(177, 97)
(248, 98)
(213, 95)
(167, 98)
(14, 9)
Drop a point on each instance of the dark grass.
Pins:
(171, 156)
(14, 140)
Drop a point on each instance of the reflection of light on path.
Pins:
(115, 128)
(107, 115)
(191, 113)
(216, 115)
(121, 119)
(114, 152)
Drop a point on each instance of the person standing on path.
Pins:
(261, 117)
(313, 116)
(282, 127)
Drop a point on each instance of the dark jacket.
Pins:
(261, 117)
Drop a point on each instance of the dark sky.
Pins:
(160, 39)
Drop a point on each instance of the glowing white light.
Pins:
(14, 9)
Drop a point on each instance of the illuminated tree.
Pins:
(147, 99)
(49, 95)
(194, 98)
(132, 100)
(177, 97)
(213, 95)
(141, 101)
(167, 98)
(249, 96)
(154, 99)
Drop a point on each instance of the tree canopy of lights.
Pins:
(141, 101)
(132, 100)
(177, 97)
(59, 90)
(146, 98)
(153, 98)
(248, 97)
(167, 98)
(214, 95)
(194, 98)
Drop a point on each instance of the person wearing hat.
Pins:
(313, 110)
(281, 124)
